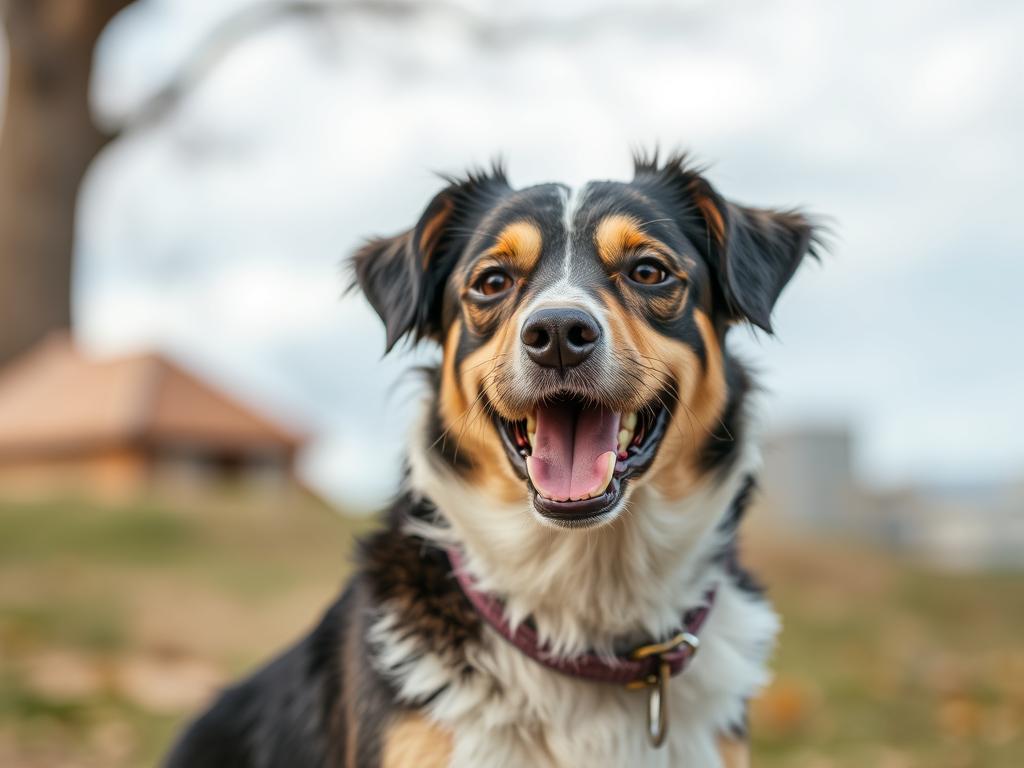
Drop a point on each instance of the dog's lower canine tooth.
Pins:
(609, 471)
(625, 436)
(629, 421)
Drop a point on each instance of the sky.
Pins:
(219, 233)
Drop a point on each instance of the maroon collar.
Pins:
(639, 668)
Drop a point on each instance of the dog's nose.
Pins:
(560, 338)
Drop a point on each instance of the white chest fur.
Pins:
(586, 590)
(515, 713)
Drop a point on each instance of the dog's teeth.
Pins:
(609, 470)
(625, 437)
(531, 424)
(629, 421)
(609, 459)
(531, 438)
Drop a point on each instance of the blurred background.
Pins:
(195, 421)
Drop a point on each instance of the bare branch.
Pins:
(221, 40)
(486, 31)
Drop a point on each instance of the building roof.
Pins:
(55, 399)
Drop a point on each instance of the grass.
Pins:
(104, 611)
(116, 622)
(887, 663)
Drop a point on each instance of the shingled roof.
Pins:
(55, 399)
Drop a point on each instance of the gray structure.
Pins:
(809, 482)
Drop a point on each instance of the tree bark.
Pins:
(47, 142)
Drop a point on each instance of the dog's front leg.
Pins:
(735, 753)
(415, 742)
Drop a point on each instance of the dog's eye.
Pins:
(648, 272)
(492, 282)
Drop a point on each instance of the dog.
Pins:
(565, 538)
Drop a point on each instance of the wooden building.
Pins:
(120, 427)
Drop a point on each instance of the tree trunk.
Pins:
(47, 142)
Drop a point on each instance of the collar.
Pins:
(642, 667)
(647, 667)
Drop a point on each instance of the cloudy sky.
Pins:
(218, 233)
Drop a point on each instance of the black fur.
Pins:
(729, 554)
(754, 253)
(720, 448)
(285, 714)
(321, 703)
(403, 277)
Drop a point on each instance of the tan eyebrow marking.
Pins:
(619, 233)
(519, 243)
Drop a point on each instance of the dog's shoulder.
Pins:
(281, 714)
(324, 701)
(410, 581)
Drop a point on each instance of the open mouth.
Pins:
(577, 456)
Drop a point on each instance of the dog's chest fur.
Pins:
(512, 712)
(401, 672)
(502, 709)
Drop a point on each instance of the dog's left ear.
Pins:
(404, 277)
(752, 252)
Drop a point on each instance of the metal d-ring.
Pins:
(657, 705)
(657, 684)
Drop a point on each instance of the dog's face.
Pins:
(582, 330)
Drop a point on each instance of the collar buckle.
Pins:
(667, 646)
(657, 683)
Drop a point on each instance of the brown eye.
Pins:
(492, 282)
(648, 272)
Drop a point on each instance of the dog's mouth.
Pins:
(578, 456)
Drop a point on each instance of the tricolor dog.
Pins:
(557, 582)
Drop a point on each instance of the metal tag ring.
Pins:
(657, 706)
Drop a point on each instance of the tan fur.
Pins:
(467, 424)
(702, 388)
(432, 232)
(519, 244)
(710, 212)
(618, 234)
(517, 249)
(415, 742)
(635, 344)
(617, 238)
(702, 393)
(639, 579)
(735, 753)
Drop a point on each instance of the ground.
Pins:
(116, 622)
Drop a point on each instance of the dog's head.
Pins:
(582, 330)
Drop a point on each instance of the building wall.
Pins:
(109, 474)
(119, 475)
(808, 478)
(199, 471)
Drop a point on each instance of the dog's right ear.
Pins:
(752, 252)
(403, 277)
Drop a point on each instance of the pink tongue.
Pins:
(567, 448)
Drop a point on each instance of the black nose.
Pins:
(560, 338)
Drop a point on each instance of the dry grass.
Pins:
(115, 623)
(885, 663)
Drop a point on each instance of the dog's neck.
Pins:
(603, 589)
